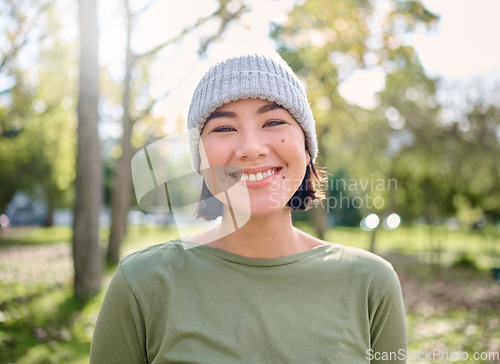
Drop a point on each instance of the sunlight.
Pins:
(464, 42)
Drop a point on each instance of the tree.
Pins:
(471, 146)
(86, 252)
(16, 95)
(20, 19)
(121, 194)
(408, 102)
(37, 125)
(325, 42)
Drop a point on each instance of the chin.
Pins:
(261, 206)
(267, 209)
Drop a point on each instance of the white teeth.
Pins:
(259, 176)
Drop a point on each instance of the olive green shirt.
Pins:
(331, 304)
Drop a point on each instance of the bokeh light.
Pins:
(370, 222)
(392, 221)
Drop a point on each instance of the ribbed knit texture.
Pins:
(249, 76)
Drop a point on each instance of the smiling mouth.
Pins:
(255, 177)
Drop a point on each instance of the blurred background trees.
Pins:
(37, 117)
(438, 141)
(442, 161)
(326, 42)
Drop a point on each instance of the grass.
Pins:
(449, 306)
(34, 235)
(40, 321)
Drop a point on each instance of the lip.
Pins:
(254, 171)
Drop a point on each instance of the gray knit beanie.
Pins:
(265, 77)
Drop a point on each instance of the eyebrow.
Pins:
(221, 114)
(269, 107)
(230, 114)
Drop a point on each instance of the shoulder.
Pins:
(373, 276)
(154, 251)
(152, 254)
(350, 257)
(362, 258)
(156, 260)
(360, 264)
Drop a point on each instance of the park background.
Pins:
(405, 91)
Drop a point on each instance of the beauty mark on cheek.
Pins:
(282, 140)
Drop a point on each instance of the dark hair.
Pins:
(309, 191)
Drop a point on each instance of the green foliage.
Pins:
(465, 261)
(325, 42)
(409, 135)
(37, 124)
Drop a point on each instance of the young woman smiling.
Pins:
(261, 138)
(265, 292)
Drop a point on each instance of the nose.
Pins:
(251, 145)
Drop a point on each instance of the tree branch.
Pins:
(222, 12)
(21, 38)
(7, 90)
(227, 18)
(143, 9)
(150, 107)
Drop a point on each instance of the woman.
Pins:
(254, 290)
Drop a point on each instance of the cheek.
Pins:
(294, 146)
(210, 152)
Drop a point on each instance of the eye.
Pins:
(274, 123)
(223, 129)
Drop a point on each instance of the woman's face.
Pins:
(265, 144)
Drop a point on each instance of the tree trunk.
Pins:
(373, 239)
(49, 221)
(120, 198)
(320, 221)
(86, 252)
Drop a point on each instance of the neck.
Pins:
(263, 237)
